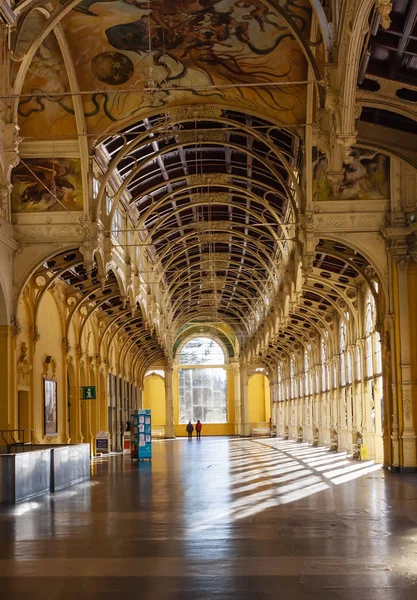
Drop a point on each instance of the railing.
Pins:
(17, 438)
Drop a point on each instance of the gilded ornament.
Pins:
(384, 8)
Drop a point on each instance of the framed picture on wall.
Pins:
(50, 406)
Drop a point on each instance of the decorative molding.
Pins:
(49, 368)
(384, 8)
(338, 222)
(47, 149)
(194, 113)
(23, 367)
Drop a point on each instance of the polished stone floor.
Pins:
(218, 519)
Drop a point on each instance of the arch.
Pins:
(259, 398)
(209, 336)
(220, 355)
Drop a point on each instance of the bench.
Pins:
(355, 451)
(313, 441)
(261, 432)
(158, 433)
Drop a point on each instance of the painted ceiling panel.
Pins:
(204, 51)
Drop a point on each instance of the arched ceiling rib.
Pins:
(330, 289)
(216, 201)
(85, 296)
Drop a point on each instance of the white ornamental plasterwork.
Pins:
(407, 404)
(43, 218)
(28, 234)
(206, 226)
(208, 179)
(207, 238)
(349, 223)
(185, 137)
(192, 113)
(210, 198)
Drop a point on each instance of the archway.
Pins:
(333, 386)
(5, 337)
(154, 398)
(204, 388)
(259, 400)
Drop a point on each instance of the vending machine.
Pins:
(141, 434)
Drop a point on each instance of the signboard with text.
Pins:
(102, 442)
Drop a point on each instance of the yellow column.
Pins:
(244, 400)
(6, 340)
(408, 434)
(237, 396)
(169, 402)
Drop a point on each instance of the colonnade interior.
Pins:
(234, 177)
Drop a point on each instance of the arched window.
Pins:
(358, 368)
(292, 378)
(342, 343)
(349, 367)
(324, 371)
(96, 187)
(306, 373)
(378, 354)
(280, 383)
(202, 391)
(369, 328)
(202, 351)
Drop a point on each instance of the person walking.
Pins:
(189, 429)
(198, 428)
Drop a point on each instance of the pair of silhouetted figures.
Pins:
(190, 428)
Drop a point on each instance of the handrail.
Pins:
(18, 440)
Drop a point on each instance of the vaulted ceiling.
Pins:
(217, 199)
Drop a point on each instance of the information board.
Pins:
(88, 392)
(141, 434)
(102, 442)
(134, 435)
(145, 437)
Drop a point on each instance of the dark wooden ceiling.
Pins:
(392, 53)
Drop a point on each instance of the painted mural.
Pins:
(366, 176)
(47, 185)
(45, 106)
(186, 51)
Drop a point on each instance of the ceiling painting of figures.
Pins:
(47, 185)
(366, 176)
(229, 52)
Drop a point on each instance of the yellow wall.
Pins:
(209, 428)
(49, 344)
(259, 399)
(412, 307)
(154, 398)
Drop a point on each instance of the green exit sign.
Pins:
(88, 392)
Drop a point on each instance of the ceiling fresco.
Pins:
(47, 185)
(366, 176)
(182, 49)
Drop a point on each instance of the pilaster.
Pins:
(169, 402)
